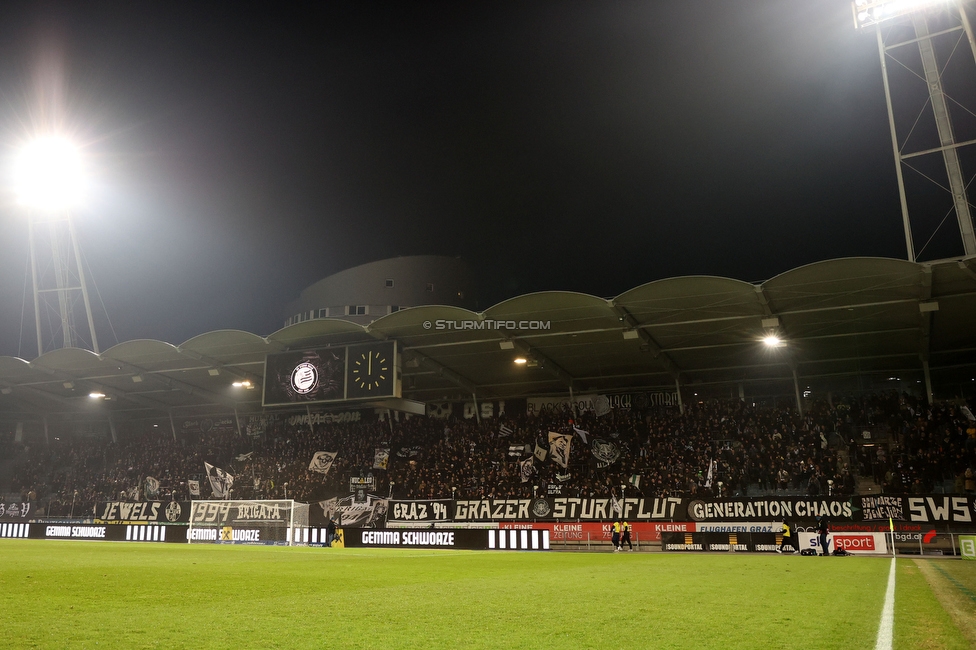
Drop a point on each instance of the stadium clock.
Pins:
(371, 371)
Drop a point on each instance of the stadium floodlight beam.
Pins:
(49, 180)
(772, 341)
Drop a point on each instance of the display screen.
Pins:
(304, 377)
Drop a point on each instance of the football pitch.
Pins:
(116, 595)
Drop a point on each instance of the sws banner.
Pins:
(116, 512)
(901, 508)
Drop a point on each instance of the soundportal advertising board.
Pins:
(332, 374)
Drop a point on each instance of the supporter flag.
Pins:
(562, 478)
(540, 452)
(504, 431)
(635, 480)
(381, 459)
(322, 461)
(152, 488)
(711, 471)
(243, 457)
(193, 487)
(968, 413)
(582, 434)
(516, 450)
(527, 469)
(559, 447)
(615, 505)
(220, 481)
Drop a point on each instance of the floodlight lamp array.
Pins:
(873, 12)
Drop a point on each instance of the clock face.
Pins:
(371, 371)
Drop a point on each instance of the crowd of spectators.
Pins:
(715, 448)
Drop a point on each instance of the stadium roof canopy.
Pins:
(845, 318)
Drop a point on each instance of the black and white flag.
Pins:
(243, 457)
(220, 481)
(381, 459)
(527, 469)
(194, 487)
(540, 452)
(322, 461)
(518, 450)
(605, 452)
(152, 488)
(504, 431)
(582, 434)
(559, 446)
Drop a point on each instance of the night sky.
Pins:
(240, 153)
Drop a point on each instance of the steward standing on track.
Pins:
(822, 530)
(787, 538)
(625, 536)
(615, 536)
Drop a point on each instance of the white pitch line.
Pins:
(887, 627)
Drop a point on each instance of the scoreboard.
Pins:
(333, 374)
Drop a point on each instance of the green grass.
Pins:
(88, 595)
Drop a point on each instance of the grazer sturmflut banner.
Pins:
(568, 508)
(169, 512)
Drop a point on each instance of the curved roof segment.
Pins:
(841, 318)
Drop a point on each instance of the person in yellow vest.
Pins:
(787, 538)
(615, 536)
(625, 536)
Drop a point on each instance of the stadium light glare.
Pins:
(872, 12)
(242, 384)
(49, 174)
(772, 341)
(96, 395)
(520, 360)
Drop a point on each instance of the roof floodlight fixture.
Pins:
(48, 179)
(520, 360)
(49, 174)
(868, 13)
(924, 25)
(772, 341)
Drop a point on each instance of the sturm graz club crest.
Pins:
(173, 511)
(304, 378)
(540, 508)
(605, 452)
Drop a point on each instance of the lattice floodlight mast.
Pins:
(49, 181)
(876, 13)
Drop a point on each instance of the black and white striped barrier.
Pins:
(518, 540)
(145, 533)
(14, 530)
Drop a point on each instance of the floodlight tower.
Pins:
(49, 180)
(878, 13)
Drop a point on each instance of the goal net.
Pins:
(278, 521)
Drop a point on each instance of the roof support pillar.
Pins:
(237, 421)
(47, 438)
(172, 424)
(477, 411)
(111, 428)
(572, 401)
(677, 388)
(796, 388)
(928, 381)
